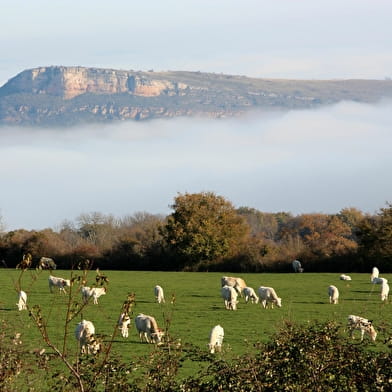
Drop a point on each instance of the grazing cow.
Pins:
(158, 292)
(267, 296)
(58, 282)
(345, 277)
(229, 295)
(375, 273)
(333, 293)
(147, 328)
(361, 324)
(84, 334)
(46, 263)
(238, 283)
(384, 291)
(297, 267)
(379, 280)
(94, 292)
(250, 294)
(22, 300)
(216, 339)
(123, 324)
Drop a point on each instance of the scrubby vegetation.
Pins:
(205, 232)
(298, 358)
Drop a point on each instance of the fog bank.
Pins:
(299, 161)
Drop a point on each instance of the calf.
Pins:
(22, 300)
(250, 294)
(94, 292)
(384, 291)
(267, 296)
(123, 324)
(229, 295)
(58, 282)
(333, 293)
(84, 334)
(361, 324)
(147, 328)
(375, 273)
(158, 292)
(345, 277)
(216, 339)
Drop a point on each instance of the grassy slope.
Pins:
(197, 309)
(198, 305)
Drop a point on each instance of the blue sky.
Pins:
(262, 38)
(307, 161)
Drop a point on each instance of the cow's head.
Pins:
(278, 302)
(157, 336)
(371, 331)
(66, 283)
(94, 346)
(213, 348)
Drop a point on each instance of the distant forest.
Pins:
(205, 232)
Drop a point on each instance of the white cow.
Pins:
(58, 282)
(159, 296)
(147, 328)
(250, 294)
(229, 295)
(333, 293)
(361, 324)
(216, 339)
(384, 291)
(297, 267)
(22, 300)
(238, 283)
(123, 324)
(46, 263)
(94, 292)
(345, 277)
(84, 334)
(267, 296)
(379, 280)
(375, 273)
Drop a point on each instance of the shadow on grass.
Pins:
(357, 299)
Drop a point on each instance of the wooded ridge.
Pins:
(63, 96)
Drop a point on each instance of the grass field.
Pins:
(198, 307)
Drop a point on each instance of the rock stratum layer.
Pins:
(62, 96)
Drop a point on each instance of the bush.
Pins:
(301, 358)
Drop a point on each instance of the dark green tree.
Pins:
(204, 227)
(375, 238)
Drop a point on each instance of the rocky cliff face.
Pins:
(69, 82)
(63, 96)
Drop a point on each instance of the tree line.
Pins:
(205, 232)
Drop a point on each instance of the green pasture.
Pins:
(197, 308)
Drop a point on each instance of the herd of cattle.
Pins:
(231, 288)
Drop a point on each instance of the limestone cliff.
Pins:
(69, 82)
(62, 96)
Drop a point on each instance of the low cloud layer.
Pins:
(299, 161)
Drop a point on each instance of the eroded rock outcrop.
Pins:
(69, 82)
